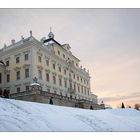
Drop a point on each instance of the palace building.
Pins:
(54, 66)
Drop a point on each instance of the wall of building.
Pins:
(59, 62)
(47, 52)
(2, 80)
(45, 97)
(10, 55)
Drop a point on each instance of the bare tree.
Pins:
(122, 105)
(137, 106)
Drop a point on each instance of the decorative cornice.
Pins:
(54, 73)
(17, 55)
(53, 61)
(8, 58)
(40, 67)
(17, 68)
(39, 53)
(26, 52)
(17, 85)
(26, 66)
(7, 71)
(47, 70)
(60, 65)
(47, 57)
(26, 83)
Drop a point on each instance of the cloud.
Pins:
(130, 96)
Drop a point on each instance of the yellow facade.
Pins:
(57, 54)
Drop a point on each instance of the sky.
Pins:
(105, 40)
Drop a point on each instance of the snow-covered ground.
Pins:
(28, 116)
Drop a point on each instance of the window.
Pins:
(85, 90)
(78, 89)
(65, 71)
(18, 75)
(72, 62)
(40, 59)
(7, 63)
(18, 89)
(81, 80)
(82, 89)
(59, 69)
(63, 56)
(47, 77)
(88, 91)
(65, 83)
(58, 52)
(26, 57)
(27, 88)
(26, 73)
(84, 81)
(70, 75)
(8, 91)
(54, 66)
(39, 74)
(74, 87)
(70, 85)
(54, 80)
(0, 78)
(77, 77)
(47, 62)
(73, 76)
(8, 78)
(17, 60)
(60, 82)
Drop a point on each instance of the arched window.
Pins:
(47, 77)
(54, 80)
(60, 82)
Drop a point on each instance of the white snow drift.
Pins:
(28, 116)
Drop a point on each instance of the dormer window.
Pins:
(7, 63)
(17, 60)
(58, 52)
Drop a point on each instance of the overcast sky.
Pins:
(107, 41)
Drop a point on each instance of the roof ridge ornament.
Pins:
(51, 35)
(31, 33)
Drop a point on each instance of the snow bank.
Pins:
(28, 116)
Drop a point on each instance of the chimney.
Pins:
(5, 45)
(13, 41)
